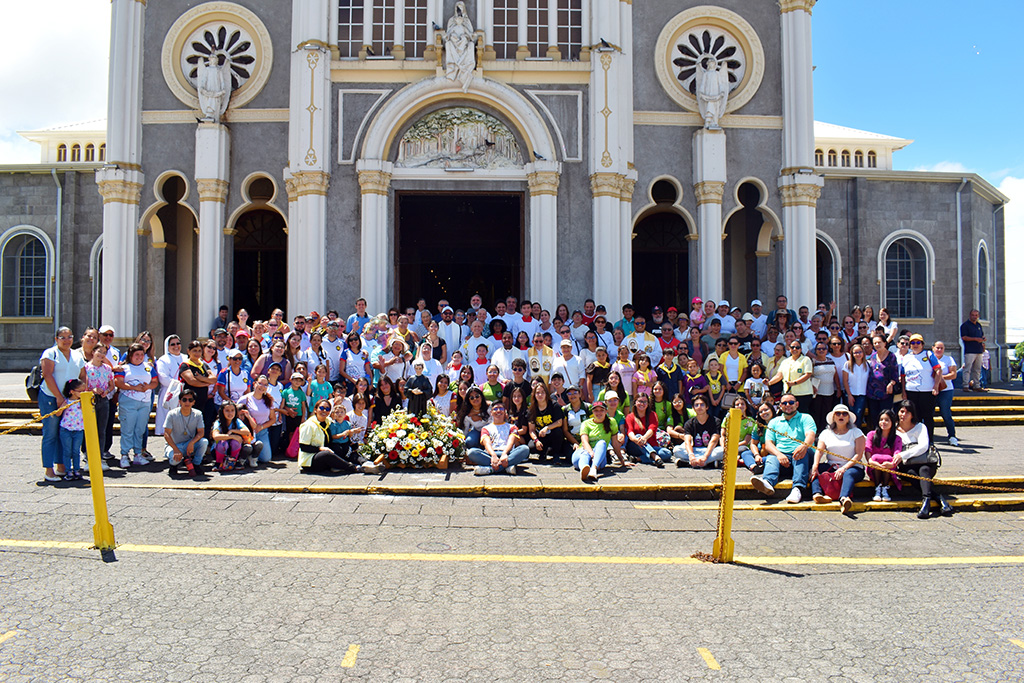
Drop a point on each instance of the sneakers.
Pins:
(103, 465)
(658, 462)
(795, 496)
(254, 461)
(146, 455)
(585, 472)
(125, 462)
(680, 462)
(139, 461)
(761, 485)
(885, 495)
(482, 471)
(878, 494)
(511, 470)
(821, 499)
(953, 441)
(371, 468)
(845, 505)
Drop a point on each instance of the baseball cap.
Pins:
(242, 333)
(332, 323)
(916, 337)
(723, 302)
(696, 300)
(672, 309)
(609, 395)
(234, 353)
(747, 317)
(600, 404)
(106, 328)
(219, 330)
(566, 342)
(656, 309)
(756, 302)
(447, 309)
(734, 308)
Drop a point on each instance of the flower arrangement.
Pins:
(404, 440)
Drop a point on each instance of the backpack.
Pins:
(34, 380)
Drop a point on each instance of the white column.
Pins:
(213, 148)
(552, 51)
(308, 152)
(398, 48)
(523, 51)
(799, 186)
(709, 176)
(543, 178)
(120, 182)
(374, 263)
(484, 20)
(367, 26)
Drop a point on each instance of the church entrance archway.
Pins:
(661, 267)
(453, 245)
(260, 263)
(739, 248)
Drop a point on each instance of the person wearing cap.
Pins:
(568, 364)
(696, 315)
(642, 340)
(973, 336)
(723, 314)
(841, 453)
(672, 316)
(233, 382)
(788, 440)
(758, 321)
(626, 323)
(333, 346)
(923, 376)
(781, 306)
(657, 318)
(597, 434)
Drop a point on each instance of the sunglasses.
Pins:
(794, 347)
(917, 343)
(186, 400)
(322, 409)
(734, 343)
(787, 403)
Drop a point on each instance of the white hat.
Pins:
(723, 302)
(840, 408)
(609, 395)
(756, 302)
(565, 342)
(105, 329)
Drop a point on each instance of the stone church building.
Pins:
(302, 153)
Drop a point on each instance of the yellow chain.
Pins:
(939, 482)
(39, 419)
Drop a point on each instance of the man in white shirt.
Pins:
(526, 323)
(642, 340)
(512, 316)
(450, 331)
(299, 326)
(728, 322)
(475, 302)
(333, 345)
(759, 322)
(568, 364)
(504, 356)
(475, 338)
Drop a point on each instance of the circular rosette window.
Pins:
(228, 32)
(697, 36)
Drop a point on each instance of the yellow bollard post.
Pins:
(102, 532)
(723, 543)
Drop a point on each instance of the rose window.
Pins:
(230, 44)
(700, 44)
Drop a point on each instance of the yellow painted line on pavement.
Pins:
(350, 657)
(709, 659)
(7, 636)
(1018, 643)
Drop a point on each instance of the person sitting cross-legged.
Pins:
(183, 432)
(788, 440)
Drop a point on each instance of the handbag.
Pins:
(169, 400)
(34, 380)
(930, 457)
(729, 398)
(293, 446)
(831, 486)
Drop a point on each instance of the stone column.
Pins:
(543, 178)
(120, 181)
(374, 262)
(213, 148)
(798, 184)
(309, 137)
(709, 176)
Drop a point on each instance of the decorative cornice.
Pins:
(212, 190)
(304, 183)
(374, 182)
(800, 194)
(709, 192)
(124, 165)
(123, 191)
(606, 184)
(543, 182)
(796, 6)
(188, 116)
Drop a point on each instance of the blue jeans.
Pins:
(799, 470)
(479, 456)
(645, 454)
(198, 451)
(263, 437)
(274, 434)
(946, 410)
(71, 445)
(850, 479)
(580, 457)
(51, 431)
(716, 455)
(859, 402)
(134, 418)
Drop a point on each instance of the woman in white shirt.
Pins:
(431, 368)
(841, 452)
(914, 458)
(888, 324)
(167, 367)
(855, 381)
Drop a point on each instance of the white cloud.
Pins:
(54, 58)
(945, 167)
(1013, 252)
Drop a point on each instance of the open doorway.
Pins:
(661, 264)
(454, 245)
(261, 263)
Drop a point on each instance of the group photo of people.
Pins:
(827, 399)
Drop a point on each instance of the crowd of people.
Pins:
(520, 382)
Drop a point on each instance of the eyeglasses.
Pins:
(66, 338)
(186, 400)
(392, 315)
(835, 343)
(639, 323)
(787, 403)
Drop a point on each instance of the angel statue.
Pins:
(460, 47)
(712, 91)
(214, 86)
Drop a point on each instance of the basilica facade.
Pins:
(300, 154)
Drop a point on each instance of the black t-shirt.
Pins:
(745, 343)
(702, 433)
(524, 386)
(548, 416)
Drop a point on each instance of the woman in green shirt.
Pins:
(596, 434)
(748, 433)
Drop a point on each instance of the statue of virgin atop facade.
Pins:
(712, 91)
(213, 84)
(460, 47)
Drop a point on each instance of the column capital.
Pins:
(374, 181)
(302, 183)
(543, 182)
(709, 192)
(800, 189)
(606, 184)
(212, 190)
(119, 190)
(626, 187)
(796, 6)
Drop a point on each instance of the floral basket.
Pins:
(404, 440)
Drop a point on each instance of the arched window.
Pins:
(819, 158)
(24, 274)
(858, 159)
(832, 158)
(90, 152)
(103, 152)
(846, 158)
(62, 152)
(350, 27)
(983, 281)
(76, 152)
(906, 279)
(872, 160)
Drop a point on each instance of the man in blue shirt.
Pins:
(973, 337)
(787, 450)
(356, 321)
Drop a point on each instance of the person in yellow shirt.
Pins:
(795, 373)
(734, 366)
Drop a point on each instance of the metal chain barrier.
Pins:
(39, 419)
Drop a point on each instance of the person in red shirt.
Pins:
(642, 434)
(668, 337)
